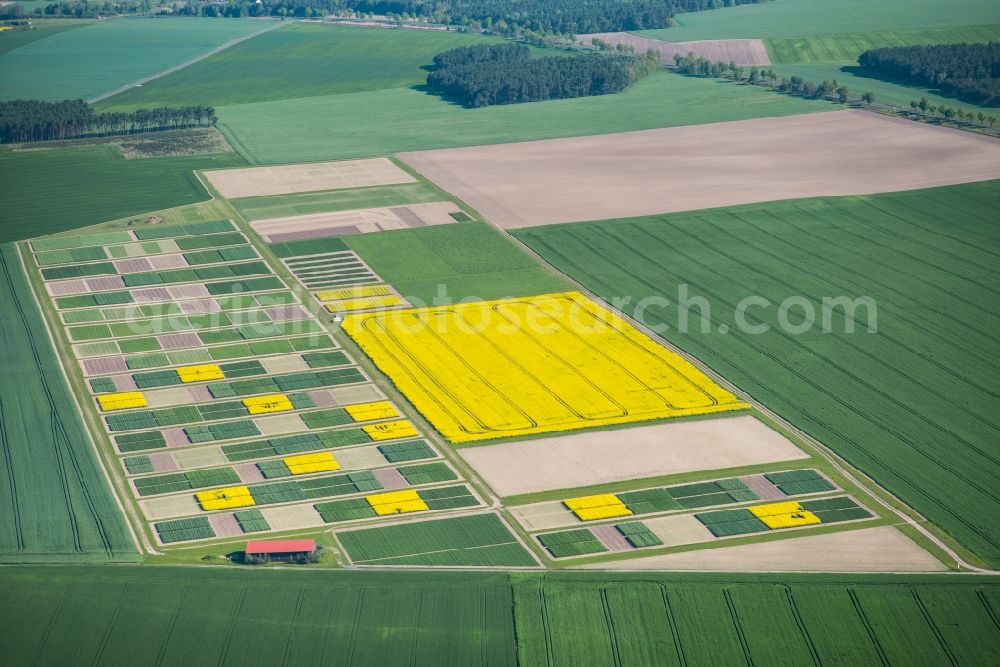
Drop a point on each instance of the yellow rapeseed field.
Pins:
(515, 367)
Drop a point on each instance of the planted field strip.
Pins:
(94, 362)
(498, 393)
(65, 288)
(286, 179)
(892, 396)
(305, 492)
(707, 166)
(360, 221)
(575, 542)
(656, 500)
(398, 502)
(159, 294)
(331, 270)
(360, 299)
(776, 516)
(132, 243)
(739, 51)
(177, 411)
(480, 540)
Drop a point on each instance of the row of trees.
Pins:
(693, 65)
(486, 74)
(970, 72)
(545, 16)
(24, 121)
(504, 17)
(924, 107)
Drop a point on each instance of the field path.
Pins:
(222, 47)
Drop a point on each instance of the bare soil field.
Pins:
(360, 221)
(706, 166)
(291, 178)
(879, 549)
(739, 51)
(598, 457)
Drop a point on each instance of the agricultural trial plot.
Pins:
(907, 403)
(534, 365)
(599, 457)
(220, 391)
(739, 51)
(262, 181)
(363, 221)
(679, 169)
(479, 540)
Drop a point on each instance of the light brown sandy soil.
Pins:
(739, 51)
(360, 221)
(878, 549)
(704, 166)
(308, 177)
(598, 457)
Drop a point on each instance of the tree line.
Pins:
(545, 16)
(488, 74)
(970, 72)
(503, 17)
(23, 121)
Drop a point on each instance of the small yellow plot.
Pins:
(122, 401)
(784, 515)
(390, 430)
(200, 373)
(353, 292)
(601, 506)
(270, 403)
(308, 463)
(371, 303)
(606, 512)
(366, 412)
(791, 520)
(220, 499)
(585, 502)
(396, 502)
(760, 511)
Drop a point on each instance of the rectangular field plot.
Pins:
(703, 166)
(286, 179)
(481, 540)
(477, 371)
(361, 221)
(566, 461)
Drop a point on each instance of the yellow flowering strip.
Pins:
(390, 430)
(304, 464)
(602, 506)
(200, 373)
(367, 412)
(396, 502)
(270, 403)
(517, 367)
(364, 304)
(784, 515)
(353, 292)
(122, 401)
(221, 499)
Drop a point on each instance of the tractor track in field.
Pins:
(186, 63)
